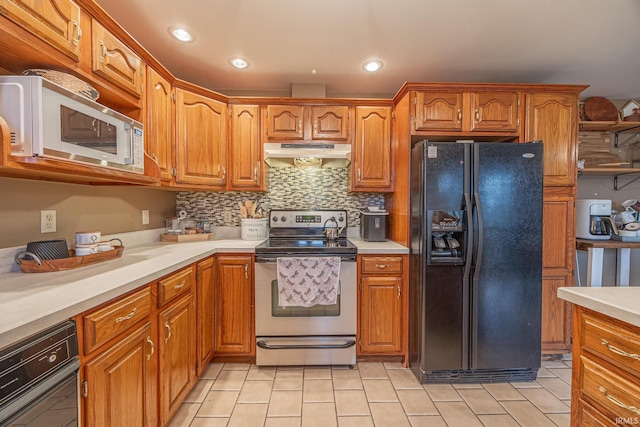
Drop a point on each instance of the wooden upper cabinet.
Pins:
(284, 122)
(372, 150)
(57, 22)
(114, 61)
(553, 119)
(495, 111)
(201, 141)
(158, 127)
(440, 111)
(306, 123)
(456, 111)
(245, 162)
(330, 123)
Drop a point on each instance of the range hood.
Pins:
(307, 154)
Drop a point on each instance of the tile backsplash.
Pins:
(289, 188)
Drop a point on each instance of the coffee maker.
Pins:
(593, 219)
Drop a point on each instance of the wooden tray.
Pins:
(49, 265)
(186, 237)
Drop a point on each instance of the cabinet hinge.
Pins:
(360, 285)
(518, 102)
(197, 275)
(141, 87)
(174, 172)
(173, 96)
(393, 114)
(266, 113)
(84, 391)
(517, 122)
(415, 100)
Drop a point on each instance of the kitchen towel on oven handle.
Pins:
(308, 281)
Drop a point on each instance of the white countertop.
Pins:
(30, 302)
(387, 247)
(622, 303)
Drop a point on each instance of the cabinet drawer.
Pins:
(104, 324)
(619, 395)
(590, 417)
(174, 285)
(381, 265)
(611, 342)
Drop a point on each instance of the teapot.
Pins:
(332, 233)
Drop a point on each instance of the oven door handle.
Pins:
(262, 344)
(343, 258)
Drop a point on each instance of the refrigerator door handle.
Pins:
(468, 207)
(469, 239)
(479, 247)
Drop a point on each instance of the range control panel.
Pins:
(306, 219)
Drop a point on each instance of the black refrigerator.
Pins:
(475, 261)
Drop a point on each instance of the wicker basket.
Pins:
(67, 81)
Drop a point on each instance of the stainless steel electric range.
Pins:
(291, 334)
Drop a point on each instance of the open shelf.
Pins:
(617, 126)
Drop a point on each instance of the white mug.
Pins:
(627, 217)
(104, 246)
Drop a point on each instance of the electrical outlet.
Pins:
(227, 217)
(145, 216)
(48, 221)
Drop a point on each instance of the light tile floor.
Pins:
(372, 394)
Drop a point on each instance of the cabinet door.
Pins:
(158, 128)
(114, 61)
(201, 140)
(55, 21)
(121, 383)
(330, 123)
(438, 111)
(372, 149)
(495, 111)
(556, 317)
(284, 122)
(558, 234)
(380, 315)
(558, 251)
(177, 349)
(553, 119)
(246, 150)
(205, 311)
(234, 306)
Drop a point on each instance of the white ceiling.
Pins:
(593, 42)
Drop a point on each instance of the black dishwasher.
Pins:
(39, 379)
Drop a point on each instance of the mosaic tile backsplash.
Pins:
(290, 188)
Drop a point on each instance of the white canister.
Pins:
(82, 250)
(87, 237)
(254, 229)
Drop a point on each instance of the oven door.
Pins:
(317, 335)
(52, 401)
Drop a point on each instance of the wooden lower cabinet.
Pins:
(234, 306)
(605, 388)
(120, 388)
(177, 353)
(205, 312)
(381, 298)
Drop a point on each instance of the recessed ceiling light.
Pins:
(372, 66)
(181, 34)
(239, 63)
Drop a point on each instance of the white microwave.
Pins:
(47, 120)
